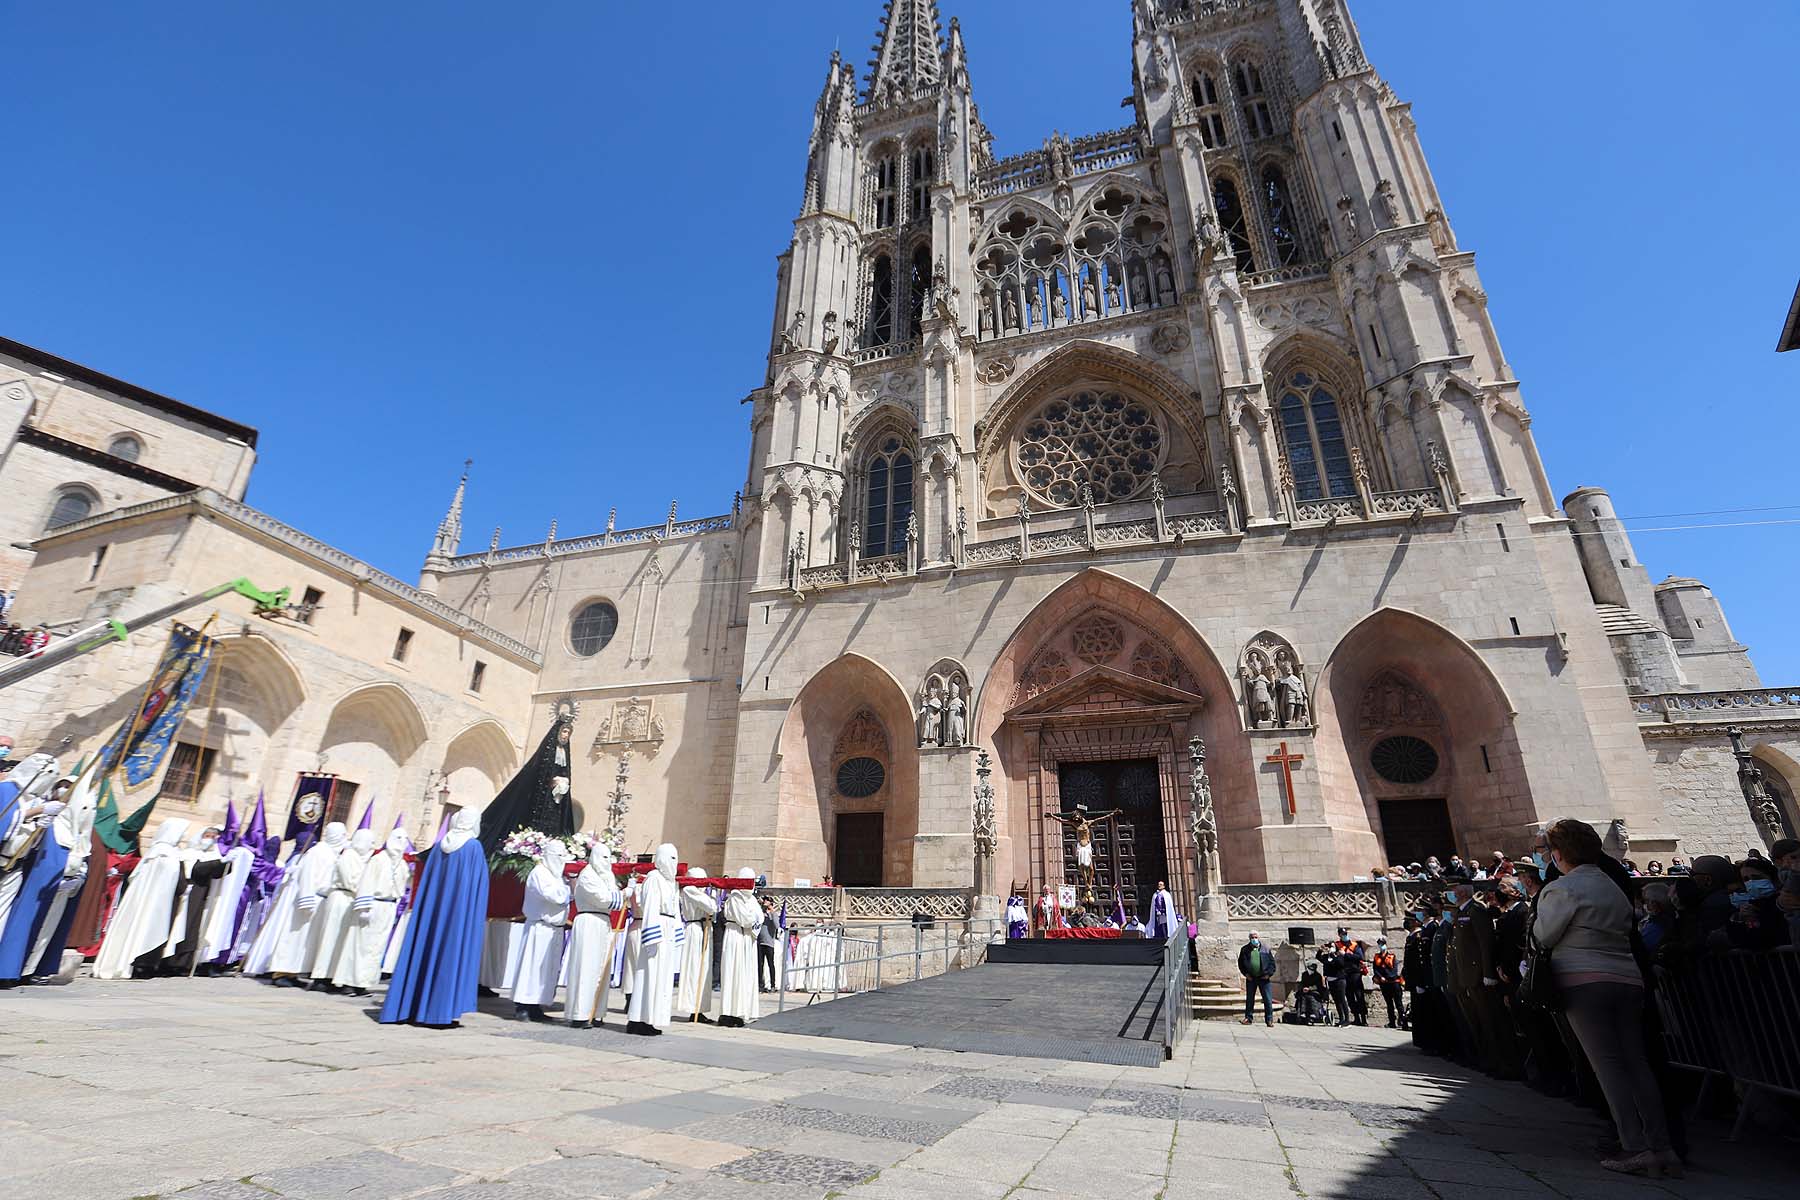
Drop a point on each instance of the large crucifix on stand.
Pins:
(1286, 762)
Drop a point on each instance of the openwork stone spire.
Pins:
(449, 531)
(908, 51)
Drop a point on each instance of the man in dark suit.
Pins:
(1478, 985)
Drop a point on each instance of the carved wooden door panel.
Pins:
(858, 858)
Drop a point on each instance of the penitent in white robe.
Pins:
(370, 921)
(500, 954)
(277, 913)
(336, 914)
(546, 920)
(218, 930)
(141, 922)
(653, 983)
(694, 995)
(297, 937)
(737, 960)
(589, 968)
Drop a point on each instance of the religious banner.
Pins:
(312, 799)
(142, 744)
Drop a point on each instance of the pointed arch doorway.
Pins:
(1106, 741)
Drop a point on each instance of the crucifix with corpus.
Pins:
(1287, 762)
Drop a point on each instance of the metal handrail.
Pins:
(859, 953)
(1177, 1012)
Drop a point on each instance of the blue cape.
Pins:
(439, 968)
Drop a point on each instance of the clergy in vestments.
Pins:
(658, 909)
(438, 971)
(372, 918)
(141, 924)
(337, 913)
(737, 974)
(203, 869)
(1162, 913)
(546, 923)
(298, 937)
(694, 994)
(597, 898)
(218, 926)
(24, 796)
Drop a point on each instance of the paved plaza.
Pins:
(230, 1090)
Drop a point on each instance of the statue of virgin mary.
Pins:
(538, 796)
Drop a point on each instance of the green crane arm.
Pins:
(102, 633)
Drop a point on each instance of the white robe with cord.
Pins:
(653, 982)
(336, 914)
(589, 968)
(272, 922)
(141, 922)
(370, 921)
(218, 929)
(694, 995)
(299, 935)
(541, 952)
(737, 960)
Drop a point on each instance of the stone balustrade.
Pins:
(870, 904)
(1087, 155)
(1747, 704)
(548, 548)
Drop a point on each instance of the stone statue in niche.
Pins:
(1347, 218)
(1271, 667)
(795, 337)
(1114, 301)
(985, 323)
(1059, 304)
(1140, 288)
(1258, 693)
(1034, 308)
(955, 728)
(1210, 234)
(1387, 207)
(944, 295)
(1009, 309)
(931, 714)
(831, 333)
(1165, 282)
(1090, 298)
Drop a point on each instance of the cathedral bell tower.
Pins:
(870, 278)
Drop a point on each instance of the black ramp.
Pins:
(1082, 1012)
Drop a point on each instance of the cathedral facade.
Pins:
(1193, 437)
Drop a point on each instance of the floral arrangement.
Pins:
(523, 849)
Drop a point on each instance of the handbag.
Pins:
(1537, 988)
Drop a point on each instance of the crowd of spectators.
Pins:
(18, 640)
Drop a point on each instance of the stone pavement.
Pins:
(230, 1090)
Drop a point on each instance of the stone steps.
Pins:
(1215, 999)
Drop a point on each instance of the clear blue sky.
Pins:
(543, 235)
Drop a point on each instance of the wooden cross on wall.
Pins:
(1286, 762)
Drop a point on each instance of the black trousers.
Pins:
(1359, 1000)
(1340, 997)
(1396, 1008)
(765, 959)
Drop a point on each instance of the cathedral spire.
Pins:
(908, 51)
(449, 531)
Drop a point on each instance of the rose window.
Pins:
(1101, 440)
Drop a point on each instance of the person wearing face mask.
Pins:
(1257, 965)
(693, 992)
(1756, 919)
(371, 917)
(657, 907)
(438, 972)
(140, 926)
(299, 935)
(541, 949)
(738, 974)
(38, 925)
(1386, 968)
(337, 911)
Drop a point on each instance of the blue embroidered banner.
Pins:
(143, 743)
(313, 795)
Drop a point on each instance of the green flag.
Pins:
(121, 837)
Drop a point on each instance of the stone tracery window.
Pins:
(1114, 258)
(1278, 211)
(1253, 101)
(1095, 437)
(1208, 110)
(1231, 220)
(884, 184)
(881, 301)
(921, 170)
(888, 504)
(1312, 431)
(918, 282)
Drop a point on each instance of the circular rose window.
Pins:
(860, 778)
(1098, 438)
(1403, 759)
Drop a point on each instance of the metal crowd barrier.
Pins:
(1735, 1015)
(842, 960)
(1177, 1011)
